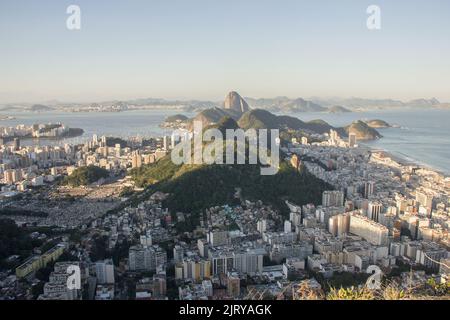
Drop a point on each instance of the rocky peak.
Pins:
(235, 102)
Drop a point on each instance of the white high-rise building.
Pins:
(339, 224)
(333, 198)
(425, 200)
(373, 232)
(262, 226)
(352, 140)
(202, 246)
(105, 271)
(295, 218)
(250, 262)
(166, 142)
(178, 253)
(374, 211)
(217, 238)
(369, 188)
(146, 240)
(304, 140)
(287, 226)
(146, 258)
(56, 288)
(208, 287)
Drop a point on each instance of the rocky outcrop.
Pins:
(235, 102)
(362, 131)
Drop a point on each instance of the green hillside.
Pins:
(84, 176)
(377, 123)
(176, 117)
(193, 188)
(362, 130)
(262, 119)
(338, 109)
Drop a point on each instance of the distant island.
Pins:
(3, 118)
(70, 133)
(338, 109)
(176, 118)
(40, 108)
(175, 121)
(281, 104)
(362, 131)
(378, 124)
(42, 131)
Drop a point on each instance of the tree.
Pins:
(86, 175)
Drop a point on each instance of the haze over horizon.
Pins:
(217, 100)
(202, 49)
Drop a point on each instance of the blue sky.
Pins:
(204, 48)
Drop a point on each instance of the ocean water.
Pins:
(118, 124)
(422, 136)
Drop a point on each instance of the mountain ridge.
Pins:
(264, 119)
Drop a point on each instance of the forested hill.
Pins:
(193, 188)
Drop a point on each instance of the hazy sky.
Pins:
(204, 48)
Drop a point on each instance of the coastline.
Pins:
(431, 126)
(403, 159)
(73, 133)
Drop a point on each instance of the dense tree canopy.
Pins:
(14, 241)
(86, 175)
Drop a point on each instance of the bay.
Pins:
(143, 123)
(422, 136)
